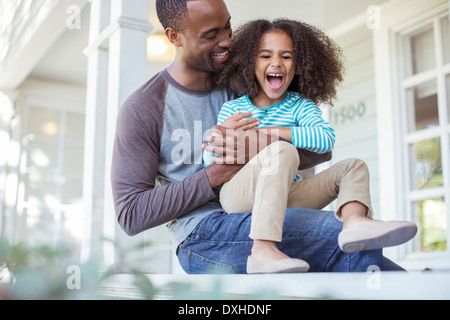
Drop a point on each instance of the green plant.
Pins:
(55, 273)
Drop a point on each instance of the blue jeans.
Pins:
(220, 244)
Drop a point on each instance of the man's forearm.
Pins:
(140, 207)
(309, 159)
(218, 174)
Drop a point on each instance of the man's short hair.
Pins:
(172, 13)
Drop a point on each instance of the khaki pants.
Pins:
(266, 187)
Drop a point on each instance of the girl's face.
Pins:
(274, 67)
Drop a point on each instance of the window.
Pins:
(425, 130)
(51, 177)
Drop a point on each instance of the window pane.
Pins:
(446, 39)
(73, 160)
(43, 122)
(40, 191)
(75, 127)
(422, 106)
(419, 51)
(42, 155)
(432, 222)
(37, 225)
(448, 96)
(426, 164)
(72, 192)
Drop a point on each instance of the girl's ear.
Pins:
(174, 37)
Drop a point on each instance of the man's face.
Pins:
(207, 36)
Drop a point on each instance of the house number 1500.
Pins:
(348, 114)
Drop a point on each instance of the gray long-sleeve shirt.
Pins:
(157, 170)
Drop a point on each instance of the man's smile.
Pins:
(221, 57)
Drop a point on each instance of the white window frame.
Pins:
(442, 132)
(398, 17)
(47, 95)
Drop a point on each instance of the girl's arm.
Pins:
(308, 159)
(312, 133)
(283, 133)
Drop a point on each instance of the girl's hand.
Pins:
(239, 121)
(235, 146)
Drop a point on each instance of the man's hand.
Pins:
(218, 174)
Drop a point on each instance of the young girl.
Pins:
(282, 69)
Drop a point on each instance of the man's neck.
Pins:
(189, 78)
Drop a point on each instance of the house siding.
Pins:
(354, 113)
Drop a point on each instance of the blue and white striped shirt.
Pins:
(309, 131)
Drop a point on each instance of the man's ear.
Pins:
(174, 37)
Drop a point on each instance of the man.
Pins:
(157, 172)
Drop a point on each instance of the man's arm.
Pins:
(139, 203)
(218, 174)
(309, 159)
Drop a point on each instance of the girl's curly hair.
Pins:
(318, 60)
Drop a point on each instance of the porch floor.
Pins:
(354, 286)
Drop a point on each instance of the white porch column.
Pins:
(117, 67)
(127, 72)
(10, 139)
(95, 132)
(6, 115)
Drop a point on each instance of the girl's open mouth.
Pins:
(275, 80)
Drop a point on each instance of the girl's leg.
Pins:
(263, 186)
(349, 181)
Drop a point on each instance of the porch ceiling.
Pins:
(321, 13)
(64, 61)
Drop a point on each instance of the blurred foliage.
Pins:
(432, 224)
(47, 272)
(428, 165)
(44, 272)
